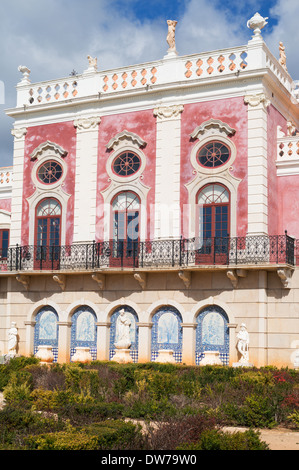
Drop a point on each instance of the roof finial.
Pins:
(26, 72)
(257, 23)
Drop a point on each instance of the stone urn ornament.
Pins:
(257, 23)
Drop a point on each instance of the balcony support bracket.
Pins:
(186, 278)
(285, 275)
(61, 280)
(24, 280)
(141, 278)
(100, 279)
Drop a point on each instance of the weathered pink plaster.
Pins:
(5, 204)
(233, 112)
(277, 219)
(63, 134)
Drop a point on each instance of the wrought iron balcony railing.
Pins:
(278, 249)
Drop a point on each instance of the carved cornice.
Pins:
(128, 136)
(46, 147)
(168, 112)
(213, 126)
(19, 133)
(256, 100)
(86, 123)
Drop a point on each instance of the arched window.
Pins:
(125, 228)
(48, 232)
(213, 221)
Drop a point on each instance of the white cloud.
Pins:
(287, 31)
(53, 37)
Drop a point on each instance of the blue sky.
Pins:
(53, 37)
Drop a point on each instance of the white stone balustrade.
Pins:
(177, 70)
(287, 162)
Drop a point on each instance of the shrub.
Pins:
(16, 393)
(17, 423)
(107, 435)
(293, 418)
(150, 409)
(81, 381)
(79, 414)
(214, 439)
(173, 432)
(259, 411)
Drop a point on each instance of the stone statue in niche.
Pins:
(123, 331)
(171, 35)
(12, 340)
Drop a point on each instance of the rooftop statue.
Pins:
(171, 35)
(282, 56)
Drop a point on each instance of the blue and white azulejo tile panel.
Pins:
(167, 332)
(212, 333)
(84, 330)
(46, 330)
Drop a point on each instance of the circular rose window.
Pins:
(126, 164)
(49, 172)
(213, 154)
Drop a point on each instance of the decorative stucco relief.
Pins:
(256, 100)
(86, 123)
(168, 112)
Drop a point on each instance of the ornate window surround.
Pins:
(125, 141)
(44, 152)
(211, 130)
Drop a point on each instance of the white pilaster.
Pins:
(85, 180)
(17, 187)
(167, 197)
(257, 164)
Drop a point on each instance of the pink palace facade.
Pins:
(169, 190)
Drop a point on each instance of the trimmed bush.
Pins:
(214, 439)
(108, 435)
